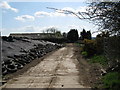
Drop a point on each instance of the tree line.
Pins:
(73, 36)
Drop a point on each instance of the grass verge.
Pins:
(99, 59)
(111, 81)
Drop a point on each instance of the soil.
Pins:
(90, 73)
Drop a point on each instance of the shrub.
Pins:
(93, 46)
(111, 81)
(89, 47)
(99, 59)
(8, 39)
(55, 40)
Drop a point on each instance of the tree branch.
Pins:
(70, 12)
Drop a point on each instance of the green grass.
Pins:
(111, 81)
(79, 44)
(99, 59)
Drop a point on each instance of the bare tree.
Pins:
(104, 14)
(80, 15)
(50, 30)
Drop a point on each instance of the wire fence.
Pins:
(112, 47)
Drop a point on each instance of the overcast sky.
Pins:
(19, 17)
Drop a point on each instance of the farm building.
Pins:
(34, 35)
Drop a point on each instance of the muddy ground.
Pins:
(90, 73)
(63, 68)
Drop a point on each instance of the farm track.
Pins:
(60, 69)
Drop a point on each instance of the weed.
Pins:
(84, 53)
(111, 81)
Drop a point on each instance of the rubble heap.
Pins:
(17, 52)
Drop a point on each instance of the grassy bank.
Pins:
(111, 80)
(99, 59)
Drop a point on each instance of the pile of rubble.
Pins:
(17, 52)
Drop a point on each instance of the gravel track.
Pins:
(58, 70)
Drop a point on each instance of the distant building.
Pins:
(34, 35)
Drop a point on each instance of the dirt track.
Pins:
(58, 70)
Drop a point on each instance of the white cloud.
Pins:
(82, 9)
(5, 5)
(24, 18)
(41, 29)
(41, 14)
(51, 14)
(69, 9)
(78, 11)
(58, 14)
(61, 13)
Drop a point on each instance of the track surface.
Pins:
(58, 70)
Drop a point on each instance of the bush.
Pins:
(99, 59)
(8, 39)
(93, 46)
(55, 40)
(111, 81)
(89, 47)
